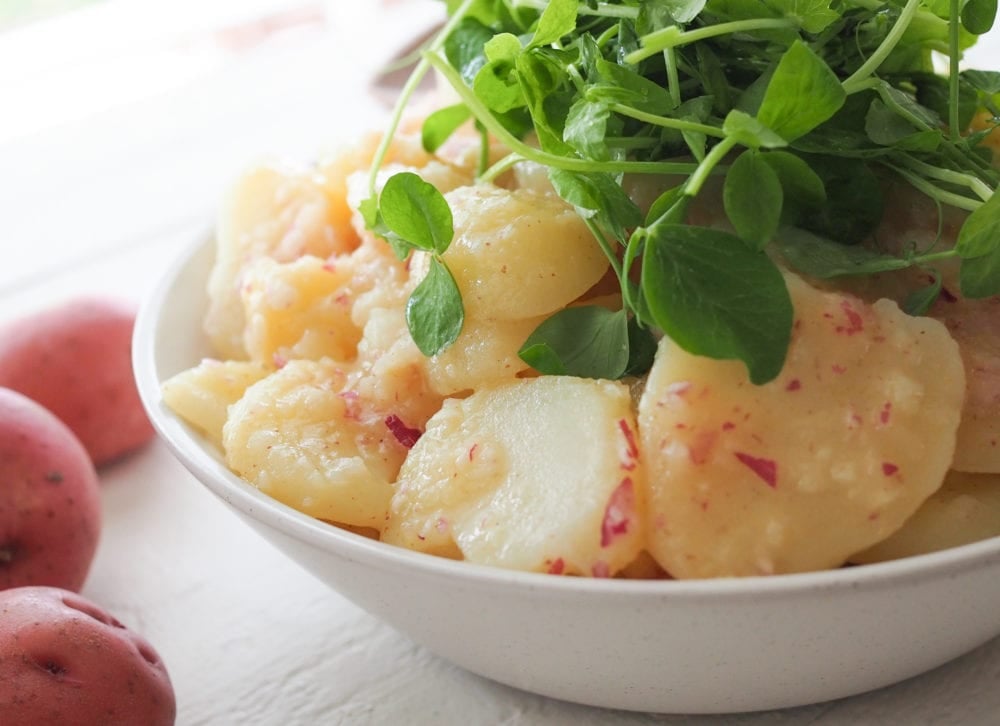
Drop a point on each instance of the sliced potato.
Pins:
(800, 473)
(299, 309)
(484, 354)
(272, 211)
(202, 395)
(975, 325)
(300, 438)
(965, 509)
(519, 254)
(541, 474)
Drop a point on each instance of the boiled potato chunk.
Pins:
(299, 309)
(540, 474)
(975, 325)
(800, 473)
(965, 509)
(484, 354)
(519, 254)
(295, 436)
(273, 211)
(202, 395)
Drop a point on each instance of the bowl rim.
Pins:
(197, 454)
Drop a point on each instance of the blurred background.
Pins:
(122, 121)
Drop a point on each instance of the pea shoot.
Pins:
(802, 107)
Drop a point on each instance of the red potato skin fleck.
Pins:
(888, 468)
(600, 569)
(885, 414)
(557, 567)
(855, 323)
(794, 385)
(618, 513)
(632, 449)
(700, 448)
(76, 361)
(404, 434)
(766, 469)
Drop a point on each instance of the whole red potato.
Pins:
(65, 661)
(50, 506)
(76, 360)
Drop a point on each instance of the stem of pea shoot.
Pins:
(408, 90)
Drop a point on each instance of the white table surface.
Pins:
(98, 192)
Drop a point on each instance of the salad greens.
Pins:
(802, 107)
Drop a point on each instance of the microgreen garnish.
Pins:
(413, 215)
(803, 107)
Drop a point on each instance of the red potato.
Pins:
(76, 360)
(66, 661)
(50, 507)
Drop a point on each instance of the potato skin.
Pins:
(76, 360)
(50, 508)
(66, 661)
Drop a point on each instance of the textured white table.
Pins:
(100, 204)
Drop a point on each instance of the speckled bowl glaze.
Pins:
(667, 646)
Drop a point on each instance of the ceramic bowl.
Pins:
(666, 646)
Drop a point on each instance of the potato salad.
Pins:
(682, 290)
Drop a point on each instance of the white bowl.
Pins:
(668, 646)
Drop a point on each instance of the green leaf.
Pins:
(598, 195)
(802, 186)
(589, 341)
(417, 212)
(980, 233)
(978, 15)
(620, 84)
(369, 211)
(641, 349)
(497, 86)
(502, 47)
(464, 48)
(684, 11)
(547, 92)
(752, 198)
(557, 20)
(884, 126)
(716, 297)
(823, 258)
(803, 93)
(979, 277)
(441, 124)
(987, 82)
(669, 208)
(434, 312)
(750, 132)
(853, 206)
(813, 16)
(586, 129)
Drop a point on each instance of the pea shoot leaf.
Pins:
(803, 93)
(415, 211)
(588, 341)
(753, 197)
(557, 20)
(823, 258)
(434, 312)
(715, 296)
(598, 195)
(441, 124)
